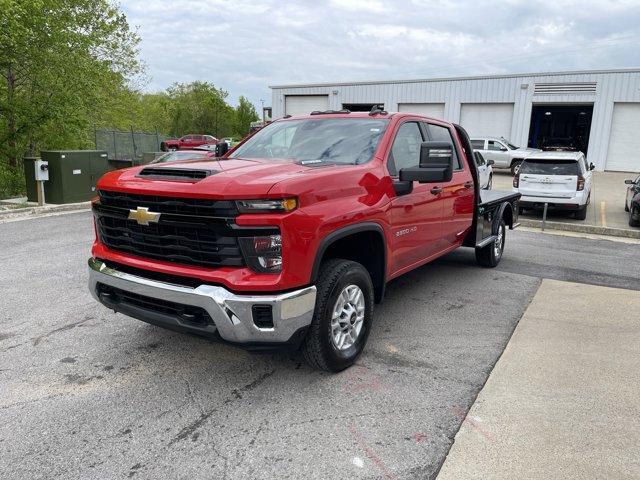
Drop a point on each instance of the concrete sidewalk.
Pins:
(34, 211)
(563, 401)
(605, 210)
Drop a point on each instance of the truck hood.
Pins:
(227, 178)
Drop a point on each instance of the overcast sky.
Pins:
(243, 46)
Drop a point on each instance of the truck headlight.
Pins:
(263, 254)
(262, 206)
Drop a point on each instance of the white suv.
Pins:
(560, 179)
(503, 153)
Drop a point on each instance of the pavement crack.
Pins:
(191, 428)
(192, 397)
(38, 339)
(251, 385)
(194, 426)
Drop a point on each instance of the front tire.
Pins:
(342, 317)
(634, 222)
(489, 183)
(489, 256)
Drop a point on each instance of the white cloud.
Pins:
(243, 46)
(371, 6)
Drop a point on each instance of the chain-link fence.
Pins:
(127, 145)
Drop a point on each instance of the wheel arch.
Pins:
(362, 242)
(504, 212)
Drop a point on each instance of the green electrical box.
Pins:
(73, 174)
(30, 178)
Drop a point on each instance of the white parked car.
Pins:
(485, 172)
(561, 179)
(502, 152)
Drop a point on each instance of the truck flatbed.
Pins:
(492, 197)
(491, 209)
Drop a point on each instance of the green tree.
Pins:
(199, 107)
(62, 64)
(245, 114)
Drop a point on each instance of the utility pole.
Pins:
(262, 103)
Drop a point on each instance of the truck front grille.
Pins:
(189, 231)
(184, 206)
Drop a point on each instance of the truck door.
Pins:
(458, 195)
(499, 153)
(416, 217)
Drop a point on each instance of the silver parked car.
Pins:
(503, 153)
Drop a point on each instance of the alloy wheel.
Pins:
(347, 317)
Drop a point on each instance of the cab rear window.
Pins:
(550, 167)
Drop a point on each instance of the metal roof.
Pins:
(554, 156)
(455, 79)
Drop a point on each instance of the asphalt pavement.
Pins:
(85, 393)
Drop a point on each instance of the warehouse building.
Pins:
(597, 112)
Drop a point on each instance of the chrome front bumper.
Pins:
(232, 314)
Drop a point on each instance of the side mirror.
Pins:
(503, 149)
(436, 164)
(629, 182)
(592, 166)
(490, 162)
(222, 147)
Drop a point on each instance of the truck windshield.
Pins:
(334, 140)
(550, 167)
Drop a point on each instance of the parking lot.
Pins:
(85, 393)
(606, 208)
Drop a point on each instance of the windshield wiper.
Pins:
(316, 161)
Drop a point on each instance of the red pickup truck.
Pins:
(187, 141)
(289, 239)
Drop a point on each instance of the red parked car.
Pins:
(289, 239)
(187, 141)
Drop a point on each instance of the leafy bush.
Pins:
(12, 182)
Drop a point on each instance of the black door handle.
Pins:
(468, 184)
(436, 190)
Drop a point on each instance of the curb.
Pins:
(581, 228)
(34, 212)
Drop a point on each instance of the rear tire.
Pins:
(582, 213)
(515, 167)
(489, 256)
(632, 222)
(337, 314)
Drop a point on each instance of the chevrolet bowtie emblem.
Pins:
(143, 216)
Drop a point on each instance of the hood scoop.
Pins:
(175, 174)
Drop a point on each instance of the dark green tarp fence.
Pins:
(127, 145)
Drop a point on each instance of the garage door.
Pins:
(434, 110)
(305, 104)
(624, 141)
(487, 119)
